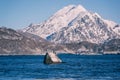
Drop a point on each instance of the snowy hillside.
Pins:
(75, 24)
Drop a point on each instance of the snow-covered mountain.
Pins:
(18, 43)
(74, 23)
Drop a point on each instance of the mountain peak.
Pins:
(71, 8)
(81, 8)
(78, 7)
(74, 23)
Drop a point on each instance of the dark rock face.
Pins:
(47, 59)
(51, 58)
(112, 45)
(83, 46)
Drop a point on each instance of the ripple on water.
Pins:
(75, 67)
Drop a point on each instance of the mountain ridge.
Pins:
(59, 26)
(19, 43)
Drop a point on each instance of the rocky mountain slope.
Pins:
(109, 47)
(112, 46)
(19, 43)
(74, 23)
(12, 42)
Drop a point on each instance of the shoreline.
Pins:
(57, 54)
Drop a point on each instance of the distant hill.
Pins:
(12, 42)
(15, 42)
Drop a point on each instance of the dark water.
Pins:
(76, 67)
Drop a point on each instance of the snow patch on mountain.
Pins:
(59, 20)
(74, 23)
(113, 26)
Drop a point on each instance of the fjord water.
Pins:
(74, 67)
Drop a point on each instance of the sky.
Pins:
(18, 14)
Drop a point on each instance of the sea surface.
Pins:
(74, 67)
